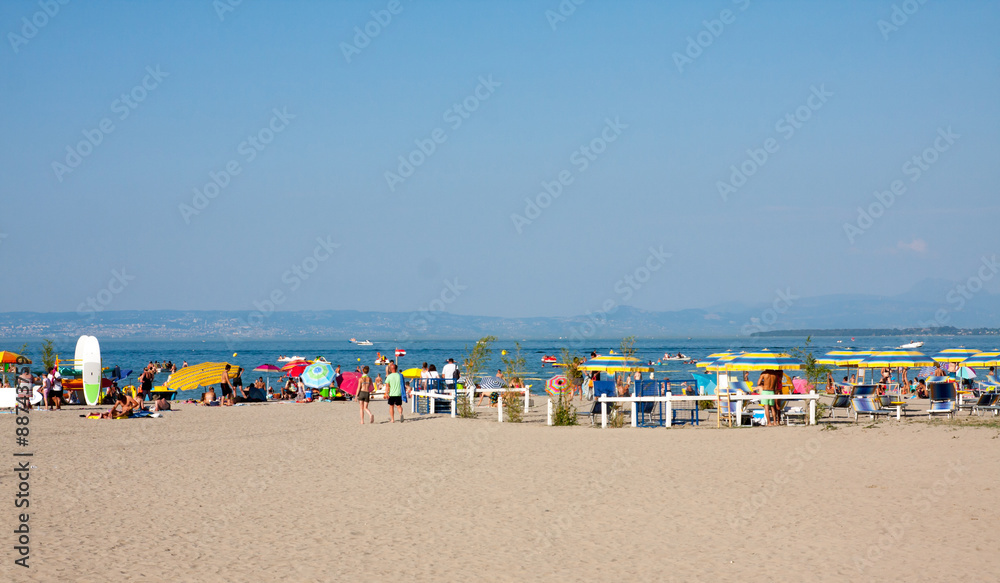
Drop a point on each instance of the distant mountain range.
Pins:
(931, 304)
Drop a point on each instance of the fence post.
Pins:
(454, 403)
(635, 412)
(413, 405)
(604, 413)
(548, 419)
(527, 399)
(812, 407)
(500, 409)
(669, 411)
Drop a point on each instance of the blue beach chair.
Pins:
(943, 398)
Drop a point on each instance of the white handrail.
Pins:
(812, 397)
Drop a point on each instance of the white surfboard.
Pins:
(91, 364)
(8, 398)
(81, 344)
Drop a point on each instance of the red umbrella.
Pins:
(349, 382)
(294, 363)
(295, 371)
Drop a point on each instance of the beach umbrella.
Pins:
(965, 373)
(557, 385)
(954, 354)
(758, 361)
(844, 358)
(708, 360)
(614, 363)
(318, 375)
(897, 359)
(292, 364)
(412, 373)
(991, 358)
(349, 382)
(7, 357)
(490, 383)
(268, 369)
(199, 375)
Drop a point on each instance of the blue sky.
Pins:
(663, 122)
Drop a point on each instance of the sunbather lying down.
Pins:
(208, 398)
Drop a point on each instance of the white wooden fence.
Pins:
(812, 397)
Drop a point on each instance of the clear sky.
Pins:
(643, 109)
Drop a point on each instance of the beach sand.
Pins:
(302, 492)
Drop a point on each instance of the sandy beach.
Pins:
(302, 492)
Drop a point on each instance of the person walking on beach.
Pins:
(57, 390)
(394, 389)
(365, 394)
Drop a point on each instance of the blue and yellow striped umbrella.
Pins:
(200, 375)
(897, 359)
(758, 361)
(991, 358)
(954, 354)
(713, 358)
(612, 363)
(844, 357)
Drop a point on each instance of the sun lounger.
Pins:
(869, 406)
(984, 400)
(601, 388)
(943, 397)
(840, 402)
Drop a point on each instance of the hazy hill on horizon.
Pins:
(934, 303)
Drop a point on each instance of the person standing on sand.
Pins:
(768, 383)
(226, 388)
(365, 394)
(394, 390)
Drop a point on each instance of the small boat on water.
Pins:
(678, 356)
(364, 343)
(910, 345)
(548, 360)
(284, 358)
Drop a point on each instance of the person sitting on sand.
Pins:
(921, 389)
(161, 404)
(208, 397)
(122, 408)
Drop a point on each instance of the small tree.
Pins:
(472, 364)
(815, 373)
(48, 354)
(513, 403)
(564, 412)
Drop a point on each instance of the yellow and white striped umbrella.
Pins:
(199, 375)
